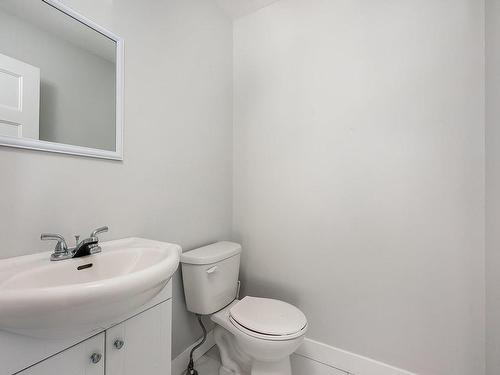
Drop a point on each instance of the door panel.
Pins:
(73, 361)
(19, 98)
(146, 342)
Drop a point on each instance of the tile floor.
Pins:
(207, 366)
(209, 363)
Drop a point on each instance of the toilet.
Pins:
(255, 336)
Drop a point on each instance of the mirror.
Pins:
(60, 81)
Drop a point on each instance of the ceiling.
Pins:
(238, 8)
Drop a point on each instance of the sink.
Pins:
(47, 299)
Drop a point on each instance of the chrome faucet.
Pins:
(87, 246)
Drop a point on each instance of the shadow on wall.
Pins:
(272, 289)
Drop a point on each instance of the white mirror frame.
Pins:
(35, 144)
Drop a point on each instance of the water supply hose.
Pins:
(190, 369)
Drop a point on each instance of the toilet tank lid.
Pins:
(212, 253)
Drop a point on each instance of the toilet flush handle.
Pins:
(212, 270)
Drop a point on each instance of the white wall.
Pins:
(359, 173)
(175, 182)
(77, 88)
(492, 187)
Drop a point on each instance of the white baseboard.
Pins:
(318, 352)
(343, 360)
(180, 363)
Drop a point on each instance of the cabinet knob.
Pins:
(95, 358)
(118, 344)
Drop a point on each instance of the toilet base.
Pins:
(236, 362)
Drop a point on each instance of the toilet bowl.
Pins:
(255, 336)
(253, 343)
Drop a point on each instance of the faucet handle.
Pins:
(61, 246)
(99, 231)
(77, 239)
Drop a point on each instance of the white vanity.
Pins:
(94, 308)
(105, 313)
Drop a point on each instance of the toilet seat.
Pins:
(268, 319)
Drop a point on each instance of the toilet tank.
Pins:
(210, 276)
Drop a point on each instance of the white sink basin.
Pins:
(48, 299)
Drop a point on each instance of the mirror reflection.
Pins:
(57, 77)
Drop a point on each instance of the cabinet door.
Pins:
(142, 344)
(85, 358)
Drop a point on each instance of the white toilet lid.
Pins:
(268, 316)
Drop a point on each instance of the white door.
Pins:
(141, 345)
(19, 98)
(86, 358)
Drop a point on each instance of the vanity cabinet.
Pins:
(86, 358)
(138, 345)
(141, 345)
